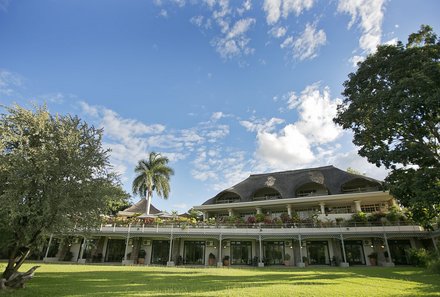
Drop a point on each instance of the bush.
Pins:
(260, 217)
(359, 217)
(419, 257)
(434, 265)
(251, 220)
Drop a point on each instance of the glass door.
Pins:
(398, 251)
(160, 252)
(273, 252)
(194, 252)
(115, 250)
(318, 252)
(241, 252)
(354, 251)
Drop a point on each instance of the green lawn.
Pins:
(93, 280)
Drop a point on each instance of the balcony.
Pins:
(204, 229)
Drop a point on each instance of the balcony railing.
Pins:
(319, 225)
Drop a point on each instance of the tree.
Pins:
(392, 105)
(54, 175)
(153, 175)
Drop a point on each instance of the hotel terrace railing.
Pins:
(202, 228)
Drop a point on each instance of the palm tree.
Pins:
(152, 174)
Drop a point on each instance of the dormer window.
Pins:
(311, 189)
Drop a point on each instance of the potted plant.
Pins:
(226, 261)
(305, 260)
(141, 257)
(287, 259)
(373, 258)
(211, 259)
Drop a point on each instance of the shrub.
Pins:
(359, 217)
(285, 218)
(420, 257)
(434, 265)
(251, 220)
(260, 217)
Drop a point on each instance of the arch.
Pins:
(227, 197)
(266, 193)
(311, 189)
(359, 185)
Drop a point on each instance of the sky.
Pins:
(223, 88)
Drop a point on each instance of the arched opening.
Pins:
(311, 189)
(266, 194)
(359, 185)
(227, 197)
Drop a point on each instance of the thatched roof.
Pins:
(140, 207)
(286, 183)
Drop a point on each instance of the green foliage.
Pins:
(260, 217)
(419, 257)
(392, 105)
(434, 265)
(359, 217)
(152, 175)
(54, 175)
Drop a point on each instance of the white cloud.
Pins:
(278, 32)
(296, 6)
(261, 125)
(9, 82)
(4, 4)
(370, 16)
(163, 13)
(307, 44)
(356, 59)
(392, 41)
(302, 142)
(234, 42)
(273, 11)
(287, 149)
(317, 111)
(217, 116)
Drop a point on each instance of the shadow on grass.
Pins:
(207, 282)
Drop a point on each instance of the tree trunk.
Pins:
(148, 198)
(18, 279)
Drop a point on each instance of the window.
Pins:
(369, 208)
(311, 189)
(340, 209)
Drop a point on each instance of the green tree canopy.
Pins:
(54, 175)
(392, 104)
(152, 175)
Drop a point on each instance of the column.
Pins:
(357, 205)
(435, 244)
(81, 254)
(260, 262)
(322, 204)
(389, 262)
(231, 212)
(289, 210)
(205, 215)
(48, 247)
(258, 210)
(220, 249)
(301, 264)
(171, 263)
(344, 264)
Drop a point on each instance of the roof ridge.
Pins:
(295, 170)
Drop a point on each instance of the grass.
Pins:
(93, 280)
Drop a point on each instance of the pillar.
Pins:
(301, 264)
(357, 205)
(220, 248)
(345, 264)
(322, 204)
(258, 210)
(48, 246)
(289, 210)
(171, 263)
(205, 215)
(231, 212)
(260, 263)
(389, 262)
(81, 254)
(435, 244)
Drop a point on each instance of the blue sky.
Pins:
(223, 88)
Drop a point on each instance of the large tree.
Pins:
(54, 175)
(152, 175)
(392, 105)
